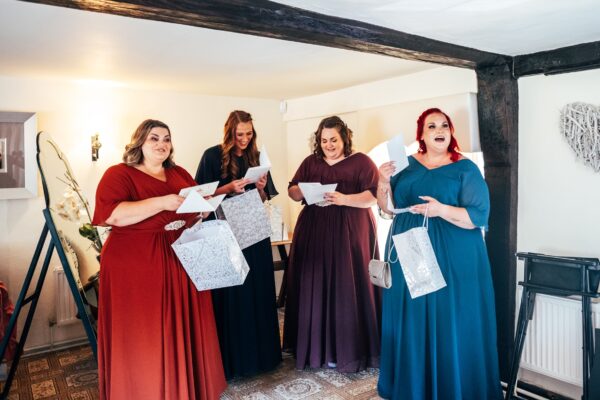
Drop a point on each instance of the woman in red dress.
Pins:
(156, 332)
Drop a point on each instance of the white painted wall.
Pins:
(379, 110)
(559, 197)
(71, 112)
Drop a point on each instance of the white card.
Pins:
(264, 160)
(216, 201)
(194, 203)
(254, 173)
(397, 153)
(314, 192)
(205, 190)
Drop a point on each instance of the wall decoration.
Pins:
(18, 172)
(580, 125)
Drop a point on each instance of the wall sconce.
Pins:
(96, 147)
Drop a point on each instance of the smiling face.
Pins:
(243, 135)
(157, 146)
(332, 144)
(436, 133)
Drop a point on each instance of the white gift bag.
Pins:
(211, 255)
(419, 265)
(247, 217)
(278, 228)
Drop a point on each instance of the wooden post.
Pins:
(498, 106)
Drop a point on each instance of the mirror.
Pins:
(71, 216)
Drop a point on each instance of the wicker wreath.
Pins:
(580, 125)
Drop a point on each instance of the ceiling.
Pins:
(40, 41)
(510, 27)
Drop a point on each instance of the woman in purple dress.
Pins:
(332, 315)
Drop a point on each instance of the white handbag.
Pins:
(211, 255)
(247, 217)
(380, 272)
(419, 265)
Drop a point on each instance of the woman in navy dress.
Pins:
(332, 313)
(442, 345)
(246, 315)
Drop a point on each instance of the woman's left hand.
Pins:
(262, 182)
(433, 207)
(337, 198)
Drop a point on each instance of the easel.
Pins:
(561, 277)
(83, 309)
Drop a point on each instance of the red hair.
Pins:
(453, 148)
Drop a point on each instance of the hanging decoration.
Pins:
(580, 125)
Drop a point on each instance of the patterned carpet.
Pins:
(71, 374)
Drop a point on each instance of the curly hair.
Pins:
(133, 151)
(340, 126)
(453, 147)
(250, 154)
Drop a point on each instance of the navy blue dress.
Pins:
(442, 345)
(245, 315)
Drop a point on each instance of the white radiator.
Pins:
(553, 341)
(66, 310)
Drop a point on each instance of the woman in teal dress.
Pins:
(440, 346)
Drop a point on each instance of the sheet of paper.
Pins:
(205, 190)
(314, 192)
(254, 173)
(216, 201)
(264, 160)
(397, 153)
(194, 203)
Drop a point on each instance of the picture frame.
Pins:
(18, 170)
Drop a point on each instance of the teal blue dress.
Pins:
(442, 346)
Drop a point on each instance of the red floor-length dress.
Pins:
(156, 333)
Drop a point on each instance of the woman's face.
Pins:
(436, 133)
(157, 146)
(332, 143)
(243, 136)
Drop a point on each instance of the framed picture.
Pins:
(3, 156)
(18, 170)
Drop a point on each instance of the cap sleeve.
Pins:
(302, 173)
(209, 168)
(474, 196)
(368, 175)
(114, 188)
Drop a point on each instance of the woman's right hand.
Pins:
(238, 185)
(171, 202)
(386, 170)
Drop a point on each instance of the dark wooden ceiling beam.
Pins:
(270, 19)
(566, 59)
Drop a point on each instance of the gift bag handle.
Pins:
(426, 218)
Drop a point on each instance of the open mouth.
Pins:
(440, 138)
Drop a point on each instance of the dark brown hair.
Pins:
(340, 126)
(133, 151)
(250, 154)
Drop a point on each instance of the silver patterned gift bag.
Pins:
(247, 217)
(211, 255)
(419, 265)
(278, 227)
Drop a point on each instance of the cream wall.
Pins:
(559, 196)
(71, 112)
(380, 110)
